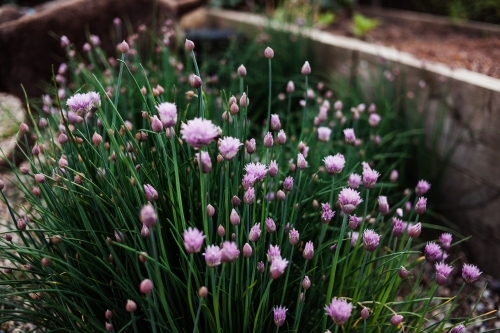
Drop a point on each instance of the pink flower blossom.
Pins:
(193, 240)
(199, 132)
(339, 310)
(213, 256)
(334, 164)
(228, 147)
(168, 114)
(349, 199)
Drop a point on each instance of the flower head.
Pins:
(228, 147)
(199, 132)
(229, 252)
(273, 168)
(278, 266)
(193, 240)
(354, 222)
(354, 237)
(249, 196)
(306, 68)
(445, 240)
(369, 176)
(148, 215)
(458, 329)
(275, 123)
(422, 187)
(397, 227)
(293, 236)
(396, 320)
(370, 240)
(254, 233)
(81, 104)
(433, 251)
(301, 161)
(334, 164)
(354, 181)
(349, 135)
(150, 193)
(374, 120)
(349, 199)
(327, 214)
(442, 272)
(279, 315)
(258, 170)
(273, 252)
(339, 310)
(288, 184)
(324, 134)
(383, 205)
(470, 273)
(308, 252)
(270, 225)
(213, 255)
(421, 205)
(414, 230)
(168, 114)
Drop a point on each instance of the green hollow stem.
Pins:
(117, 90)
(334, 267)
(422, 318)
(269, 97)
(451, 308)
(195, 329)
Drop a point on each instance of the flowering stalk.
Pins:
(334, 266)
(117, 90)
(445, 320)
(299, 303)
(422, 314)
(269, 98)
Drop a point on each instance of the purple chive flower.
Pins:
(250, 146)
(334, 164)
(348, 200)
(365, 313)
(146, 286)
(270, 225)
(148, 215)
(306, 283)
(354, 222)
(273, 168)
(150, 193)
(64, 41)
(156, 124)
(249, 196)
(168, 114)
(281, 137)
(278, 266)
(374, 120)
(327, 214)
(273, 252)
(370, 240)
(301, 161)
(383, 205)
(308, 252)
(470, 273)
(339, 310)
(396, 320)
(206, 162)
(442, 272)
(260, 267)
(324, 134)
(258, 170)
(432, 251)
(213, 255)
(394, 176)
(354, 181)
(275, 123)
(445, 240)
(458, 329)
(228, 147)
(268, 140)
(422, 187)
(288, 184)
(403, 273)
(229, 252)
(199, 132)
(279, 315)
(414, 230)
(81, 104)
(421, 205)
(369, 176)
(397, 227)
(293, 236)
(354, 238)
(248, 181)
(350, 138)
(254, 233)
(193, 240)
(242, 71)
(306, 68)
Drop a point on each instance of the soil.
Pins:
(457, 48)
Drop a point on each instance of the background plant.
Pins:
(113, 193)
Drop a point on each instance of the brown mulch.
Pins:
(457, 48)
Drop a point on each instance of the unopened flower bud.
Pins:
(242, 71)
(247, 250)
(306, 68)
(108, 327)
(130, 306)
(189, 45)
(210, 210)
(396, 320)
(203, 292)
(195, 81)
(45, 262)
(306, 283)
(62, 139)
(403, 273)
(35, 150)
(221, 231)
(244, 101)
(236, 201)
(156, 124)
(123, 47)
(108, 315)
(268, 140)
(365, 313)
(23, 128)
(150, 193)
(290, 87)
(146, 286)
(145, 232)
(24, 170)
(415, 230)
(280, 195)
(234, 109)
(96, 139)
(36, 191)
(21, 224)
(268, 53)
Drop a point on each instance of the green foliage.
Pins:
(479, 10)
(85, 250)
(362, 25)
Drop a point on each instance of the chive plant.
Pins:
(153, 205)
